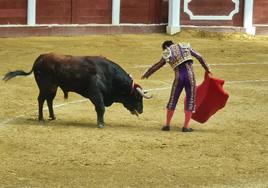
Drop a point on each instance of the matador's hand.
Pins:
(143, 77)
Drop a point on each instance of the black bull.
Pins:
(96, 78)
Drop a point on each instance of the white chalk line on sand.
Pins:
(216, 64)
(5, 122)
(227, 82)
(245, 81)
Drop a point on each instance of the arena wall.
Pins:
(134, 11)
(223, 13)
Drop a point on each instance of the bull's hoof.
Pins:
(41, 121)
(52, 118)
(101, 125)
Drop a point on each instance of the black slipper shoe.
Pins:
(184, 129)
(165, 128)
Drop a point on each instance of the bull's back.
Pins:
(73, 73)
(69, 72)
(54, 62)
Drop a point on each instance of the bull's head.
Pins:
(134, 103)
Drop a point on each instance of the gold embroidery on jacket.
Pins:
(177, 56)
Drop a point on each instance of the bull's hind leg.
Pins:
(50, 99)
(47, 95)
(41, 100)
(47, 91)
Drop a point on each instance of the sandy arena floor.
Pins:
(230, 150)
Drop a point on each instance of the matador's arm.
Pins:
(200, 59)
(154, 68)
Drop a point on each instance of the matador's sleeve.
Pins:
(154, 68)
(200, 59)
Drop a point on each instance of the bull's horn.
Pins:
(143, 94)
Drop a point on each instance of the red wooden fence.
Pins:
(146, 11)
(132, 11)
(53, 12)
(260, 12)
(86, 11)
(13, 11)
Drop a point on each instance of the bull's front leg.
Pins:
(100, 109)
(97, 100)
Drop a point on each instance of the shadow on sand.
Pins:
(131, 126)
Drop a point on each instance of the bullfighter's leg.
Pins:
(97, 100)
(173, 100)
(190, 85)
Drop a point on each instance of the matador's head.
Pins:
(167, 44)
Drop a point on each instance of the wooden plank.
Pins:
(146, 11)
(53, 12)
(13, 11)
(134, 11)
(260, 12)
(90, 11)
(15, 4)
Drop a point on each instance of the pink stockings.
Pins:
(169, 117)
(188, 115)
(187, 118)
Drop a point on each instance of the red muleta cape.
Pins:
(210, 97)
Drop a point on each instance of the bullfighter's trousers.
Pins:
(184, 78)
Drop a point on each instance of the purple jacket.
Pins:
(176, 57)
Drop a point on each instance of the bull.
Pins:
(97, 78)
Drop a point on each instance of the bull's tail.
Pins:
(13, 74)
